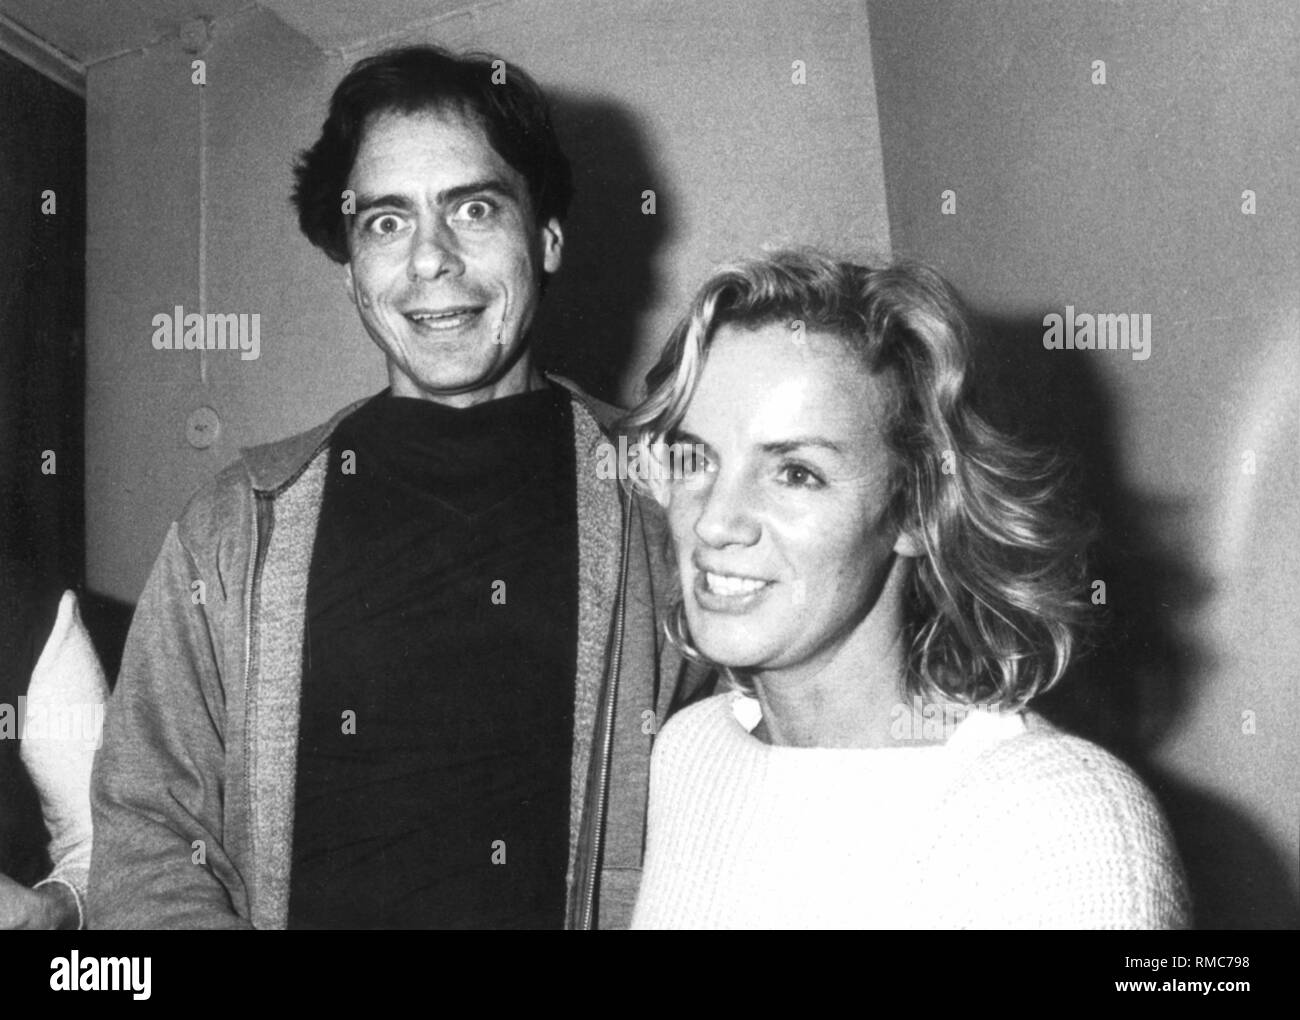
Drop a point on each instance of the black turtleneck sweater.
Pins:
(437, 699)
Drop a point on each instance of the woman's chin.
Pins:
(727, 647)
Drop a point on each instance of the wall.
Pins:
(262, 101)
(1127, 197)
(690, 100)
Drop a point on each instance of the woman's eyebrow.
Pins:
(791, 445)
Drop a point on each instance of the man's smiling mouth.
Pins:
(438, 320)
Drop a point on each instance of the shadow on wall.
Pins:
(588, 325)
(107, 620)
(1133, 686)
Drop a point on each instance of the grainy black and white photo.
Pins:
(695, 464)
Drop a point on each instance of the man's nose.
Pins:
(727, 512)
(434, 252)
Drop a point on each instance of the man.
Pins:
(402, 670)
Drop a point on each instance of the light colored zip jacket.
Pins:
(193, 790)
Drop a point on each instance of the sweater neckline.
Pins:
(975, 730)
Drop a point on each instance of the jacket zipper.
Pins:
(607, 741)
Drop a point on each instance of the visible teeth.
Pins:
(723, 584)
(440, 317)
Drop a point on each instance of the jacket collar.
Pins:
(272, 466)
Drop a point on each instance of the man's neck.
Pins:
(523, 378)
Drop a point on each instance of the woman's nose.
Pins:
(727, 512)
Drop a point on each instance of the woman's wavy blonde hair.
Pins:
(997, 603)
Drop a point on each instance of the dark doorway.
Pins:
(42, 381)
(42, 323)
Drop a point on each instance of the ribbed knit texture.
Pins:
(1007, 825)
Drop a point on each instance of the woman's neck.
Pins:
(851, 698)
(832, 708)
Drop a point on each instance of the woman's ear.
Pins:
(660, 490)
(656, 470)
(907, 545)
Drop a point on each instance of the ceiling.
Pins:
(89, 31)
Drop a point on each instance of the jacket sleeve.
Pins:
(66, 697)
(160, 778)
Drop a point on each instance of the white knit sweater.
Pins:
(1009, 824)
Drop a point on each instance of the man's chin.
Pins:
(467, 384)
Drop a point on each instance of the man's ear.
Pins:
(552, 245)
(348, 283)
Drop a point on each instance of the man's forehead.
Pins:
(394, 141)
(401, 124)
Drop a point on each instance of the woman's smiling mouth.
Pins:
(728, 593)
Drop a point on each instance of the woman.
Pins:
(886, 582)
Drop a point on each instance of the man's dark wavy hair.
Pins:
(513, 113)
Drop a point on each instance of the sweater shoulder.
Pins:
(1070, 827)
(706, 721)
(1042, 764)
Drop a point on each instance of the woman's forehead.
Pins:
(772, 383)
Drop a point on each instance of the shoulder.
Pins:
(270, 467)
(605, 415)
(701, 757)
(1071, 829)
(225, 501)
(1040, 766)
(698, 725)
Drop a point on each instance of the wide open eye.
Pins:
(476, 210)
(385, 223)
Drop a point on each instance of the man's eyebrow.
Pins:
(486, 186)
(367, 202)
